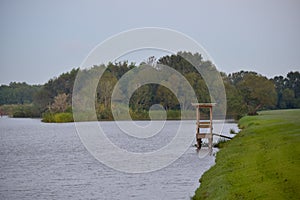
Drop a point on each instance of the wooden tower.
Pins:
(201, 125)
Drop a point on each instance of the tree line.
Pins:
(246, 91)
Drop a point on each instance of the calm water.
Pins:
(48, 161)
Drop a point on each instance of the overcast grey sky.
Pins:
(41, 39)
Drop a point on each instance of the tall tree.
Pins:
(236, 107)
(63, 84)
(293, 82)
(288, 90)
(105, 88)
(257, 92)
(17, 93)
(288, 99)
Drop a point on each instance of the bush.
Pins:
(48, 117)
(139, 114)
(173, 114)
(57, 117)
(104, 113)
(25, 110)
(63, 117)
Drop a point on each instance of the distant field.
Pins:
(261, 162)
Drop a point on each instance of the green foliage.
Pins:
(142, 98)
(17, 93)
(221, 143)
(139, 114)
(7, 109)
(260, 162)
(28, 110)
(288, 90)
(105, 88)
(173, 114)
(57, 117)
(246, 92)
(63, 117)
(287, 99)
(20, 110)
(61, 85)
(60, 111)
(236, 107)
(48, 117)
(256, 90)
(104, 113)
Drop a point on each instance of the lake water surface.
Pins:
(49, 161)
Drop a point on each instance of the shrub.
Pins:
(173, 114)
(57, 117)
(104, 113)
(48, 117)
(63, 117)
(25, 110)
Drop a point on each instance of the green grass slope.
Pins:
(261, 162)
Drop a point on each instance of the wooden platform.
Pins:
(203, 124)
(203, 105)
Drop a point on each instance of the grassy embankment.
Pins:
(261, 162)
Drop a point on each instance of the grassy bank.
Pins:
(261, 162)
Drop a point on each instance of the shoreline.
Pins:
(262, 161)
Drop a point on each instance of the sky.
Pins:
(41, 39)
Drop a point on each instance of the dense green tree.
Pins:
(199, 86)
(246, 91)
(17, 93)
(288, 90)
(237, 77)
(43, 99)
(236, 108)
(105, 88)
(120, 68)
(183, 62)
(293, 83)
(63, 84)
(142, 98)
(257, 91)
(287, 99)
(280, 85)
(166, 98)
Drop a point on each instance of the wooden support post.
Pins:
(198, 139)
(210, 139)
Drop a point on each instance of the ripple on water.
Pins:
(48, 161)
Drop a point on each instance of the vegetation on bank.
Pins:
(261, 162)
(20, 110)
(57, 117)
(246, 91)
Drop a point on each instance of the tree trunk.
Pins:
(254, 112)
